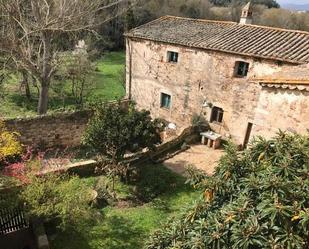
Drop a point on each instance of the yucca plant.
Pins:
(258, 198)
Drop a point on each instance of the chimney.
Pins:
(246, 14)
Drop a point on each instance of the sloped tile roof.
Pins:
(230, 37)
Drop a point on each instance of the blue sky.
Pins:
(293, 1)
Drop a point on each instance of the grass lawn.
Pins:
(129, 228)
(106, 86)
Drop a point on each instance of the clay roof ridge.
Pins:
(228, 22)
(198, 19)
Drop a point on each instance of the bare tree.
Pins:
(31, 32)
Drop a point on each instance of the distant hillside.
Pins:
(291, 6)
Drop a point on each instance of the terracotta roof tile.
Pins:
(230, 37)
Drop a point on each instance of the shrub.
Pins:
(198, 120)
(104, 195)
(10, 147)
(60, 197)
(114, 130)
(258, 198)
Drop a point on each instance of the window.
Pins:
(172, 56)
(241, 69)
(216, 114)
(165, 100)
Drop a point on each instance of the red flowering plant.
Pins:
(29, 163)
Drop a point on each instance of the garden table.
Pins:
(211, 138)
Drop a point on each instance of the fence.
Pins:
(12, 221)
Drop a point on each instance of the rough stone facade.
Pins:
(283, 109)
(51, 130)
(202, 79)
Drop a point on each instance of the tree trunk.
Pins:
(28, 93)
(43, 99)
(46, 74)
(35, 84)
(25, 84)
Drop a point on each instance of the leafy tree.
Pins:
(258, 199)
(114, 130)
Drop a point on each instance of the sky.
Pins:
(293, 1)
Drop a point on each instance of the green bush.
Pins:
(115, 130)
(61, 197)
(256, 199)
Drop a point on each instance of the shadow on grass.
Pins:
(23, 102)
(113, 232)
(54, 103)
(69, 240)
(121, 233)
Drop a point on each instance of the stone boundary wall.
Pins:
(87, 168)
(63, 129)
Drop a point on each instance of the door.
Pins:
(248, 134)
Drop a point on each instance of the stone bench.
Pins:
(212, 139)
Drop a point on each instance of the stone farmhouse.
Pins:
(244, 79)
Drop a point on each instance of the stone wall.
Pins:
(199, 77)
(284, 109)
(65, 129)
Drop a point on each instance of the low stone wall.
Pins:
(63, 129)
(189, 135)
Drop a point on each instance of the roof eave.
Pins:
(282, 81)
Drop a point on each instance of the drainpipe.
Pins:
(129, 48)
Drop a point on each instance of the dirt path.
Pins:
(200, 156)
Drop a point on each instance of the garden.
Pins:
(118, 205)
(257, 198)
